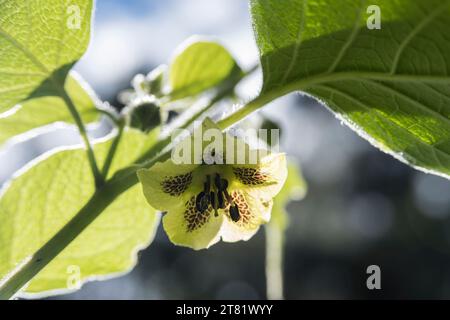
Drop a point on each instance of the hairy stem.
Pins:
(106, 193)
(103, 197)
(112, 150)
(98, 178)
(274, 261)
(124, 179)
(224, 90)
(243, 112)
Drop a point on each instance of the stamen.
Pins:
(221, 184)
(217, 181)
(212, 198)
(207, 184)
(221, 203)
(202, 202)
(216, 205)
(234, 210)
(224, 184)
(228, 197)
(234, 213)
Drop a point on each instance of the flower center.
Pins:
(217, 196)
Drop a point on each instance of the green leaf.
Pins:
(392, 86)
(199, 66)
(39, 43)
(39, 112)
(43, 198)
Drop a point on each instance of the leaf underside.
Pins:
(199, 66)
(43, 198)
(392, 86)
(40, 40)
(37, 113)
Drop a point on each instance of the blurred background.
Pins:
(363, 207)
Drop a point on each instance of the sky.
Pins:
(131, 34)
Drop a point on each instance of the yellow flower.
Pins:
(207, 202)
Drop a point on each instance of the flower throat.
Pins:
(217, 196)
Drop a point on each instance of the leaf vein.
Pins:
(298, 42)
(428, 19)
(409, 99)
(363, 106)
(350, 39)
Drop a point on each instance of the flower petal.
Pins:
(165, 184)
(264, 179)
(188, 227)
(253, 213)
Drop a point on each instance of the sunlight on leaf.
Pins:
(39, 42)
(42, 199)
(392, 86)
(39, 112)
(199, 65)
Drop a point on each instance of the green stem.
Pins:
(274, 261)
(82, 129)
(103, 197)
(126, 178)
(267, 96)
(243, 112)
(112, 150)
(93, 208)
(224, 90)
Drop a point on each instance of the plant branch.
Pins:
(82, 129)
(126, 178)
(102, 198)
(112, 150)
(274, 261)
(93, 208)
(224, 90)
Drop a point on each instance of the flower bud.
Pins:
(144, 117)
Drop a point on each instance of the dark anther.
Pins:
(221, 184)
(212, 198)
(234, 213)
(207, 184)
(221, 200)
(224, 184)
(202, 202)
(214, 203)
(217, 182)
